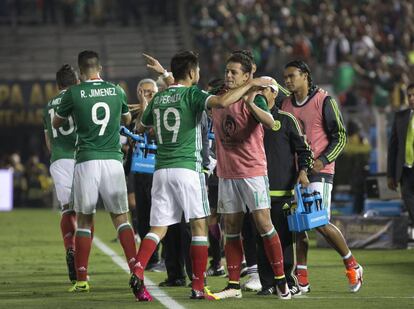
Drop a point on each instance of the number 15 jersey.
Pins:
(175, 114)
(62, 140)
(96, 107)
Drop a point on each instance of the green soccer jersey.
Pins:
(175, 114)
(96, 107)
(62, 140)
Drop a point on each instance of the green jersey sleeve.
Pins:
(66, 105)
(198, 99)
(261, 103)
(147, 118)
(124, 101)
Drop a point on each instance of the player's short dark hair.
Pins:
(88, 59)
(182, 63)
(303, 67)
(410, 86)
(66, 76)
(245, 52)
(244, 60)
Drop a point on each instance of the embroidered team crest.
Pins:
(276, 125)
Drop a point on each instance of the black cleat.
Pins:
(174, 282)
(267, 291)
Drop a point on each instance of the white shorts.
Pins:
(325, 189)
(176, 191)
(62, 175)
(235, 194)
(100, 177)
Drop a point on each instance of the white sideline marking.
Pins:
(162, 297)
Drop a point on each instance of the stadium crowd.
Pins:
(368, 41)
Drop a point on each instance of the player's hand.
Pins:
(323, 91)
(142, 99)
(251, 94)
(260, 82)
(317, 166)
(392, 184)
(303, 178)
(153, 64)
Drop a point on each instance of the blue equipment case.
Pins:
(309, 212)
(143, 156)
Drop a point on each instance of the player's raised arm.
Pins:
(261, 115)
(233, 95)
(139, 126)
(154, 64)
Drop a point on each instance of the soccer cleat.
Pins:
(295, 291)
(80, 286)
(138, 288)
(253, 283)
(283, 291)
(216, 271)
(228, 292)
(355, 278)
(206, 294)
(304, 288)
(267, 291)
(70, 262)
(172, 282)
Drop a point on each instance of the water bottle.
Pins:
(152, 150)
(318, 200)
(142, 146)
(307, 201)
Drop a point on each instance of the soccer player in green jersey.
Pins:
(97, 108)
(61, 145)
(178, 184)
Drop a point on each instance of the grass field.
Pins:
(33, 274)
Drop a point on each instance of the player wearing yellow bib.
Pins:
(97, 108)
(178, 184)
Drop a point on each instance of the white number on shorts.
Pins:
(61, 130)
(104, 121)
(172, 128)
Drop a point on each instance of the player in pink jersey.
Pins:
(322, 123)
(242, 172)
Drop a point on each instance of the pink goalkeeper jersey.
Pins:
(239, 143)
(310, 117)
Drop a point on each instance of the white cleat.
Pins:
(228, 293)
(285, 294)
(355, 278)
(253, 283)
(304, 288)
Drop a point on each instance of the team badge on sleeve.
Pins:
(276, 125)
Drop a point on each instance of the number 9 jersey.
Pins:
(96, 107)
(175, 114)
(62, 140)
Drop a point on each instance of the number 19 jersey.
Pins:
(96, 107)
(62, 140)
(175, 114)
